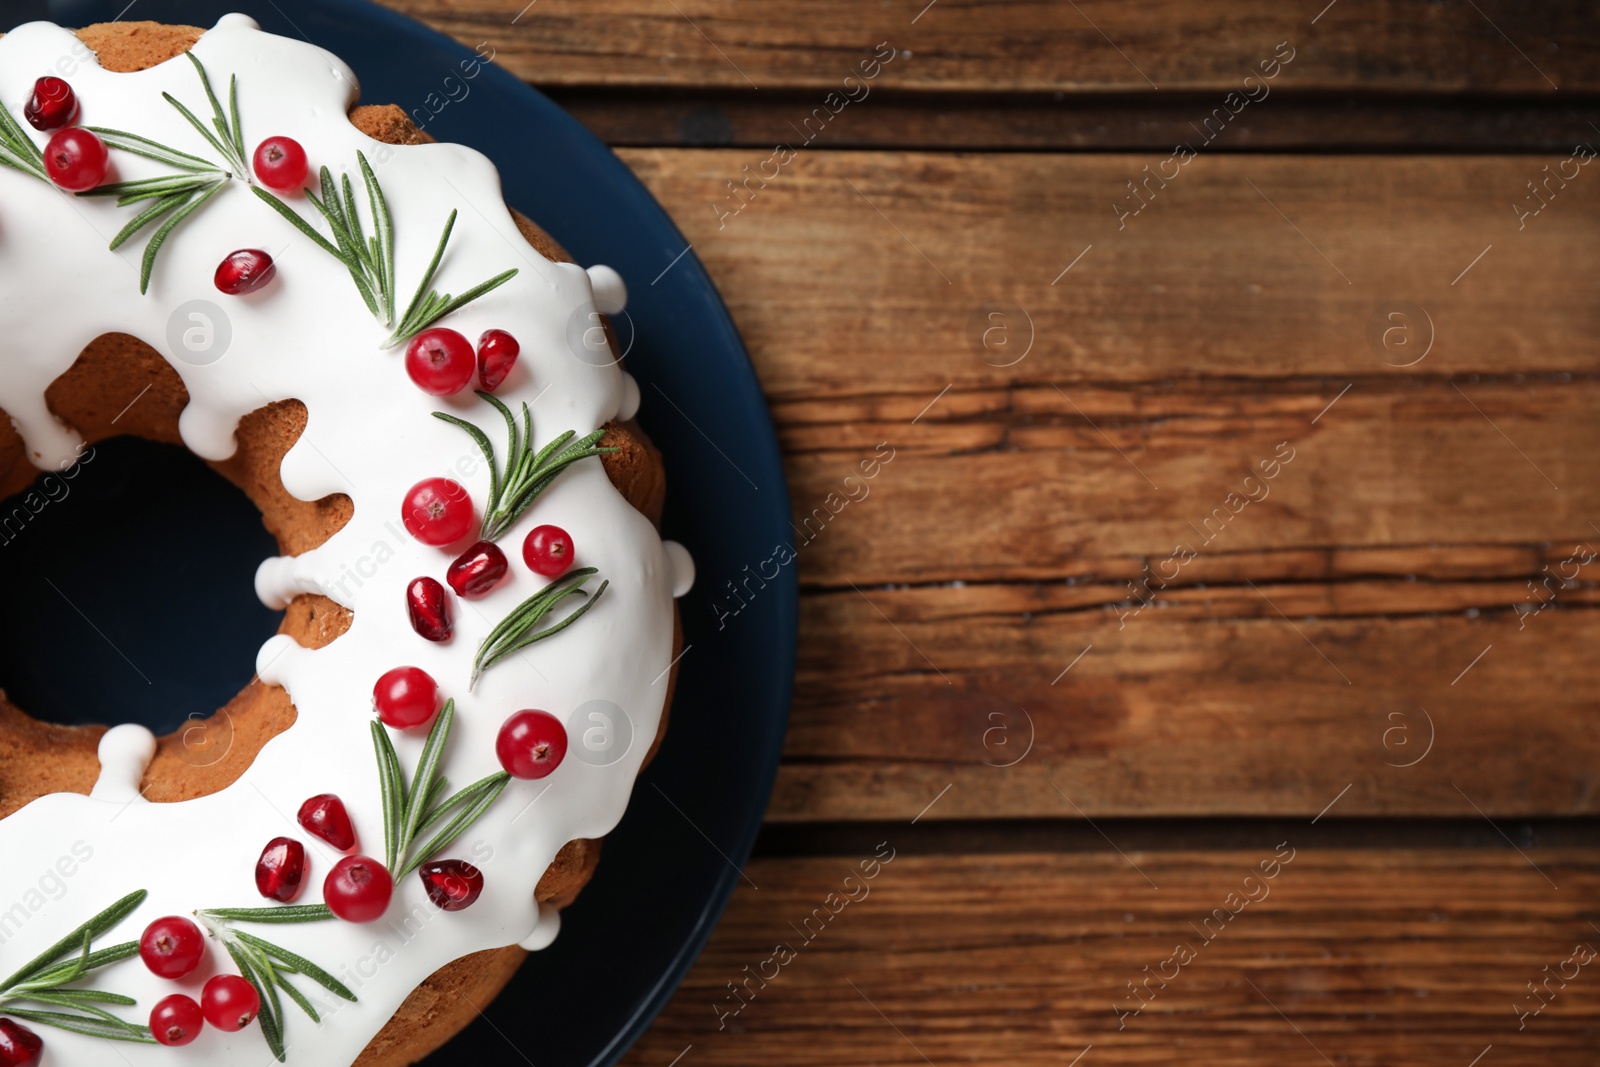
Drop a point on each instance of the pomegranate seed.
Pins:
(430, 609)
(19, 1046)
(281, 870)
(477, 570)
(453, 885)
(280, 163)
(497, 354)
(245, 271)
(172, 947)
(324, 816)
(229, 1002)
(437, 511)
(53, 105)
(358, 889)
(406, 697)
(76, 159)
(531, 744)
(176, 1020)
(440, 361)
(547, 551)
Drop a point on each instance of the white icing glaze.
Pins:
(610, 291)
(682, 565)
(370, 435)
(630, 398)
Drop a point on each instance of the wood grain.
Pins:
(1367, 958)
(1242, 267)
(990, 45)
(1023, 502)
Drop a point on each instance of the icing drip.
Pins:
(369, 434)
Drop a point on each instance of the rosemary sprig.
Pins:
(517, 630)
(44, 980)
(176, 197)
(514, 488)
(370, 258)
(266, 966)
(17, 149)
(411, 809)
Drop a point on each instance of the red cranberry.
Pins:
(281, 870)
(176, 1020)
(172, 947)
(280, 163)
(531, 744)
(437, 511)
(430, 609)
(324, 816)
(497, 354)
(406, 697)
(547, 551)
(19, 1046)
(229, 1002)
(53, 105)
(453, 885)
(245, 271)
(477, 570)
(76, 159)
(358, 889)
(440, 361)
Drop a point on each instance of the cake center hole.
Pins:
(130, 586)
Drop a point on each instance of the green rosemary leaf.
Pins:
(270, 1013)
(8, 159)
(410, 330)
(486, 447)
(300, 965)
(153, 188)
(296, 996)
(200, 127)
(524, 642)
(423, 287)
(516, 631)
(393, 786)
(454, 828)
(87, 1025)
(427, 772)
(539, 479)
(219, 118)
(383, 229)
(438, 811)
(352, 217)
(159, 238)
(65, 999)
(296, 913)
(71, 971)
(17, 149)
(86, 996)
(147, 216)
(296, 221)
(92, 929)
(233, 108)
(144, 146)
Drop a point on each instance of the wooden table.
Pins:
(1215, 656)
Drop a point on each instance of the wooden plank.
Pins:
(1368, 958)
(1084, 482)
(989, 45)
(857, 274)
(1110, 122)
(1036, 701)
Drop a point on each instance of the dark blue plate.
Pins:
(670, 866)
